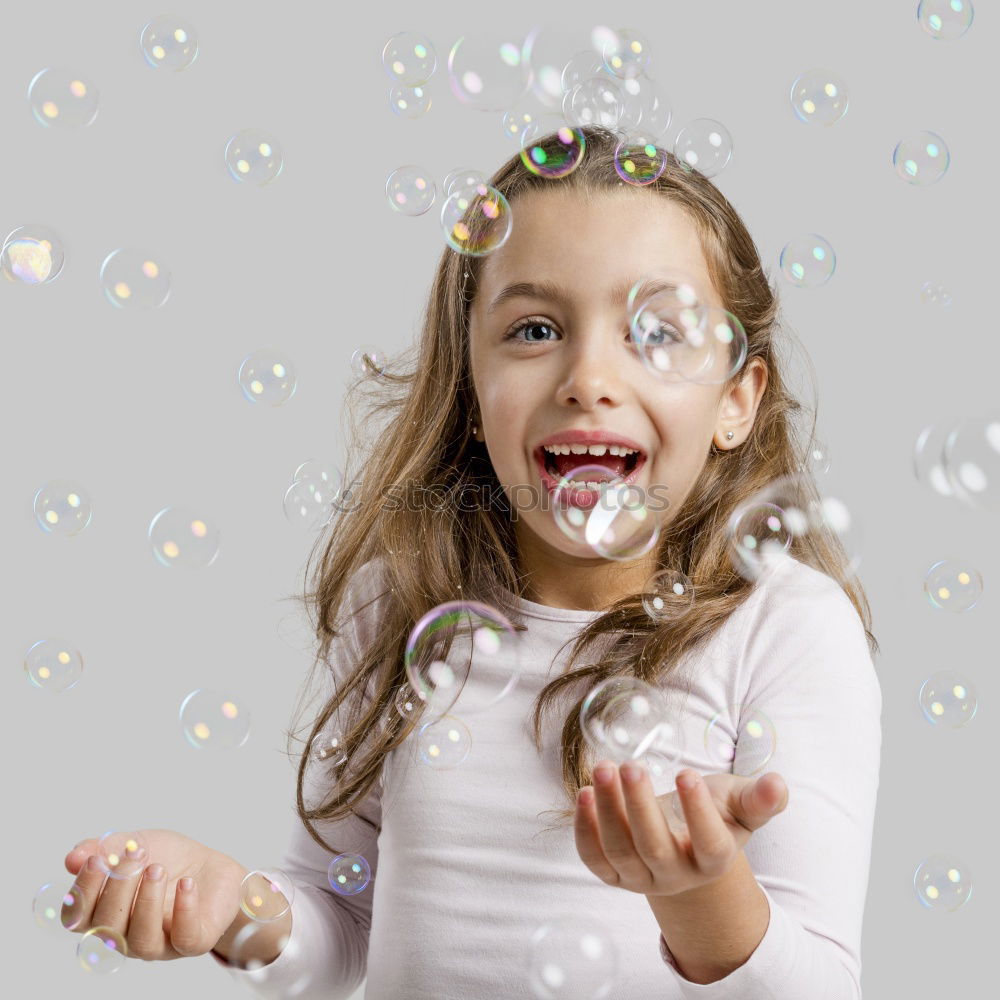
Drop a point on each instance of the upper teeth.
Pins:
(591, 449)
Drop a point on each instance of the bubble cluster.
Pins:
(819, 97)
(53, 665)
(254, 156)
(942, 882)
(921, 159)
(63, 99)
(267, 376)
(808, 261)
(953, 585)
(169, 42)
(134, 279)
(595, 101)
(181, 536)
(32, 255)
(348, 874)
(948, 698)
(411, 190)
(213, 720)
(571, 957)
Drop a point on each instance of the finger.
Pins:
(712, 844)
(145, 936)
(588, 838)
(77, 858)
(185, 929)
(85, 891)
(115, 902)
(613, 824)
(651, 833)
(760, 800)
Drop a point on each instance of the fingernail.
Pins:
(186, 884)
(631, 773)
(602, 776)
(154, 872)
(688, 780)
(93, 865)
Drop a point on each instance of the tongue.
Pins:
(614, 464)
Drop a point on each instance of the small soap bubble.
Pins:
(934, 294)
(596, 101)
(53, 665)
(254, 156)
(556, 154)
(624, 718)
(134, 279)
(348, 874)
(971, 460)
(646, 110)
(754, 741)
(169, 42)
(704, 145)
(213, 720)
(667, 595)
(545, 53)
(266, 896)
(122, 855)
(58, 908)
(328, 475)
(945, 20)
(808, 261)
(444, 743)
(252, 939)
(368, 360)
(928, 459)
(409, 58)
(63, 507)
(63, 99)
(406, 702)
(638, 160)
(488, 72)
(267, 376)
(32, 255)
(953, 585)
(571, 957)
(818, 458)
(819, 97)
(411, 190)
(948, 698)
(181, 536)
(521, 124)
(409, 102)
(943, 882)
(308, 505)
(477, 220)
(626, 54)
(461, 178)
(102, 950)
(328, 748)
(921, 159)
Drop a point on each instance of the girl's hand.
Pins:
(625, 834)
(158, 919)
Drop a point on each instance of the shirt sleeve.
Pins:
(807, 668)
(326, 955)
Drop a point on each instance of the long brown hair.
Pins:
(415, 433)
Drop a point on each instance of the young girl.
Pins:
(744, 886)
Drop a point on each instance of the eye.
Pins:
(527, 324)
(657, 333)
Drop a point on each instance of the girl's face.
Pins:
(574, 366)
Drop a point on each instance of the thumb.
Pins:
(762, 799)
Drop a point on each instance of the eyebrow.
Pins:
(550, 290)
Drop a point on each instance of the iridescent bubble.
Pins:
(948, 699)
(461, 178)
(181, 536)
(122, 855)
(410, 102)
(63, 507)
(313, 470)
(32, 255)
(819, 97)
(971, 460)
(53, 665)
(488, 72)
(667, 595)
(521, 124)
(61, 99)
(476, 221)
(945, 20)
(646, 109)
(935, 294)
(368, 360)
(928, 459)
(169, 42)
(557, 154)
(409, 58)
(254, 156)
(266, 896)
(444, 743)
(808, 261)
(308, 504)
(439, 657)
(134, 279)
(328, 748)
(638, 160)
(102, 950)
(58, 908)
(953, 585)
(547, 50)
(704, 145)
(921, 159)
(626, 54)
(596, 101)
(267, 376)
(348, 874)
(213, 720)
(571, 957)
(755, 739)
(943, 882)
(411, 190)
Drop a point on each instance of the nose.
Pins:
(595, 370)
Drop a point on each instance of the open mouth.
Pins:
(554, 468)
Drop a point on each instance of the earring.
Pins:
(475, 430)
(729, 435)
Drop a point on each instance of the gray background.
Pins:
(144, 410)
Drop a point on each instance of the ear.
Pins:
(738, 405)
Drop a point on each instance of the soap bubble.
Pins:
(971, 460)
(211, 719)
(266, 896)
(134, 279)
(521, 124)
(63, 99)
(943, 882)
(267, 376)
(348, 874)
(646, 110)
(410, 102)
(406, 702)
(245, 948)
(948, 699)
(638, 160)
(754, 740)
(547, 50)
(922, 158)
(928, 459)
(953, 585)
(444, 743)
(169, 42)
(704, 145)
(122, 855)
(476, 221)
(935, 294)
(808, 261)
(488, 73)
(411, 190)
(180, 536)
(667, 319)
(328, 748)
(819, 97)
(667, 595)
(254, 156)
(102, 950)
(53, 665)
(626, 54)
(51, 901)
(63, 507)
(557, 154)
(368, 360)
(308, 505)
(409, 58)
(461, 178)
(595, 101)
(571, 957)
(945, 20)
(32, 255)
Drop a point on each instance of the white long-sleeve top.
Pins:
(463, 874)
